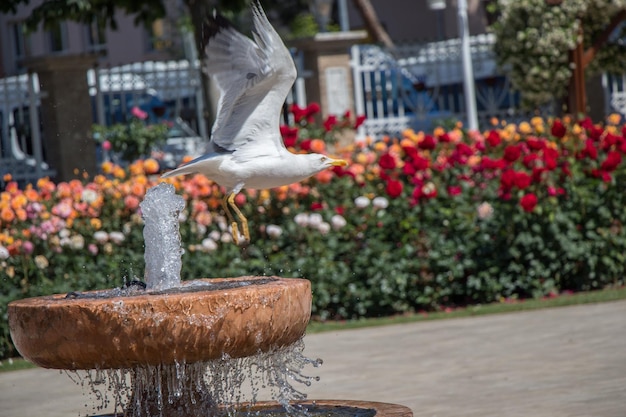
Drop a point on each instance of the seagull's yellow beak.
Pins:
(338, 163)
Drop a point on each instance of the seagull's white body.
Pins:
(254, 78)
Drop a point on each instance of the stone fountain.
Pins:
(182, 349)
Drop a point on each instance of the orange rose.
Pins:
(151, 166)
(318, 145)
(7, 215)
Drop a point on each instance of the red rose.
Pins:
(305, 145)
(553, 191)
(611, 140)
(512, 153)
(290, 135)
(613, 159)
(359, 121)
(410, 151)
(507, 179)
(558, 129)
(488, 163)
(311, 110)
(536, 175)
(454, 190)
(330, 122)
(298, 112)
(528, 202)
(522, 180)
(408, 169)
(586, 123)
(387, 161)
(427, 143)
(530, 160)
(550, 158)
(595, 132)
(420, 163)
(493, 138)
(598, 173)
(464, 149)
(536, 144)
(393, 188)
(589, 151)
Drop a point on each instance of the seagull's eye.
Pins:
(323, 159)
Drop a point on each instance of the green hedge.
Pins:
(415, 223)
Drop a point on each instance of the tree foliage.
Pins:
(534, 40)
(86, 11)
(50, 12)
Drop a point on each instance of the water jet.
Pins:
(183, 349)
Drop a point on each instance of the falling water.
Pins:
(221, 387)
(160, 209)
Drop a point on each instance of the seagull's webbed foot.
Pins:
(231, 220)
(227, 203)
(241, 217)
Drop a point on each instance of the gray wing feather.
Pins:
(247, 74)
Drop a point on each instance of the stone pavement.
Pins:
(560, 362)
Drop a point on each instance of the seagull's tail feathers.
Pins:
(197, 165)
(185, 169)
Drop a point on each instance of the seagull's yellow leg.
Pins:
(233, 223)
(240, 216)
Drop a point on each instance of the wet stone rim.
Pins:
(134, 288)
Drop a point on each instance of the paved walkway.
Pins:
(561, 362)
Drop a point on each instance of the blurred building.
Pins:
(129, 43)
(405, 20)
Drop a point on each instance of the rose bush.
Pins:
(419, 222)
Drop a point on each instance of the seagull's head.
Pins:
(318, 162)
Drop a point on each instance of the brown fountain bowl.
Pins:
(148, 329)
(336, 408)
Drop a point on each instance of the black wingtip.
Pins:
(214, 23)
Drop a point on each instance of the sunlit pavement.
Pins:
(560, 362)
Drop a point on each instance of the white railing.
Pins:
(21, 149)
(419, 85)
(166, 90)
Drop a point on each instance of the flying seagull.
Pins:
(246, 148)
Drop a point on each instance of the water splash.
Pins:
(226, 387)
(160, 209)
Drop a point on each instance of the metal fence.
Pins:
(165, 90)
(21, 151)
(421, 84)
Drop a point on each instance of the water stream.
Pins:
(161, 208)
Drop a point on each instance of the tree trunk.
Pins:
(375, 29)
(198, 10)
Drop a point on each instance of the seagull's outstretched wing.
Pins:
(254, 78)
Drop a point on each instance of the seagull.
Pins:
(246, 149)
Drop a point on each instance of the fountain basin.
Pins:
(324, 408)
(161, 328)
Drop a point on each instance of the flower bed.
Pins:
(419, 222)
